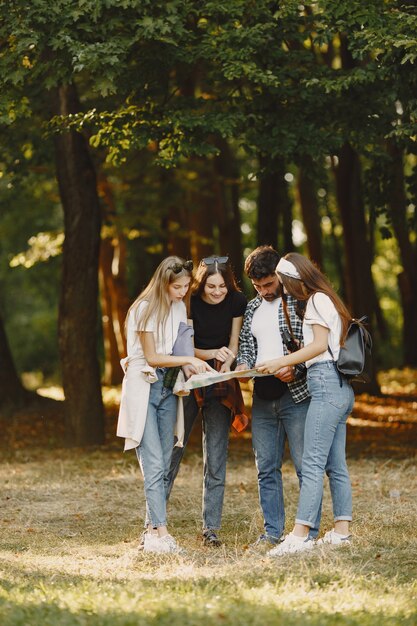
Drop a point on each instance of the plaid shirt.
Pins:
(248, 348)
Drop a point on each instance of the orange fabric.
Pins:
(229, 393)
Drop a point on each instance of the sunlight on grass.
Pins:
(69, 534)
(71, 521)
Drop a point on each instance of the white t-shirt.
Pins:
(265, 329)
(320, 310)
(164, 340)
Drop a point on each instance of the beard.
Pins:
(272, 296)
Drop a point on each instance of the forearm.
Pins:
(206, 355)
(295, 358)
(166, 360)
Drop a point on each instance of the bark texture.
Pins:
(78, 310)
(407, 280)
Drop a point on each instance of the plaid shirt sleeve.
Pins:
(248, 348)
(298, 387)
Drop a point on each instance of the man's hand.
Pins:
(286, 374)
(239, 368)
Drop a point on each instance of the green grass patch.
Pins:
(70, 523)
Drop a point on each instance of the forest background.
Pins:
(135, 129)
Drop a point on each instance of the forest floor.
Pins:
(71, 518)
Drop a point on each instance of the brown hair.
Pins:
(311, 281)
(261, 262)
(204, 271)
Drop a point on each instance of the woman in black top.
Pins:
(216, 312)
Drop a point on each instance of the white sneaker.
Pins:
(335, 539)
(291, 544)
(161, 545)
(150, 542)
(168, 544)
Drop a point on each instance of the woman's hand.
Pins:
(271, 367)
(224, 354)
(198, 366)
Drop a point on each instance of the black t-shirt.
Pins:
(213, 322)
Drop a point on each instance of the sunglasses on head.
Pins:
(210, 260)
(179, 267)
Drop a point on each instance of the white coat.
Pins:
(135, 398)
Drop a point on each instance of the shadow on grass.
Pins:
(244, 614)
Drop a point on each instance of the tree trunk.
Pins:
(175, 228)
(78, 308)
(310, 213)
(199, 203)
(12, 392)
(227, 206)
(274, 207)
(360, 288)
(268, 206)
(114, 345)
(407, 280)
(113, 287)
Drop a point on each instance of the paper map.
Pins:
(209, 378)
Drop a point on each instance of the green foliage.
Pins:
(161, 82)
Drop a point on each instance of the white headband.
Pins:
(288, 269)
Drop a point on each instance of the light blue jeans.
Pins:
(273, 421)
(325, 444)
(216, 426)
(155, 450)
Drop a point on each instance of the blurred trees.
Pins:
(204, 127)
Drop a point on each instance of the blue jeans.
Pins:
(272, 422)
(216, 426)
(155, 449)
(325, 443)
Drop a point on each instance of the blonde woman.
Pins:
(148, 409)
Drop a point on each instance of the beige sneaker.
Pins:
(333, 538)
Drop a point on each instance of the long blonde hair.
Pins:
(156, 293)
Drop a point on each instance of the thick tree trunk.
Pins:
(407, 280)
(175, 229)
(360, 288)
(274, 207)
(227, 206)
(359, 284)
(199, 203)
(268, 207)
(78, 319)
(12, 392)
(310, 213)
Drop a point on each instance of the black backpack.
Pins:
(354, 360)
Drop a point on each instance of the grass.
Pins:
(70, 522)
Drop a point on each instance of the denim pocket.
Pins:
(324, 384)
(336, 395)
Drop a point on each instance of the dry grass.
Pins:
(70, 523)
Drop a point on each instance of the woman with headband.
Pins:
(216, 312)
(325, 324)
(148, 409)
